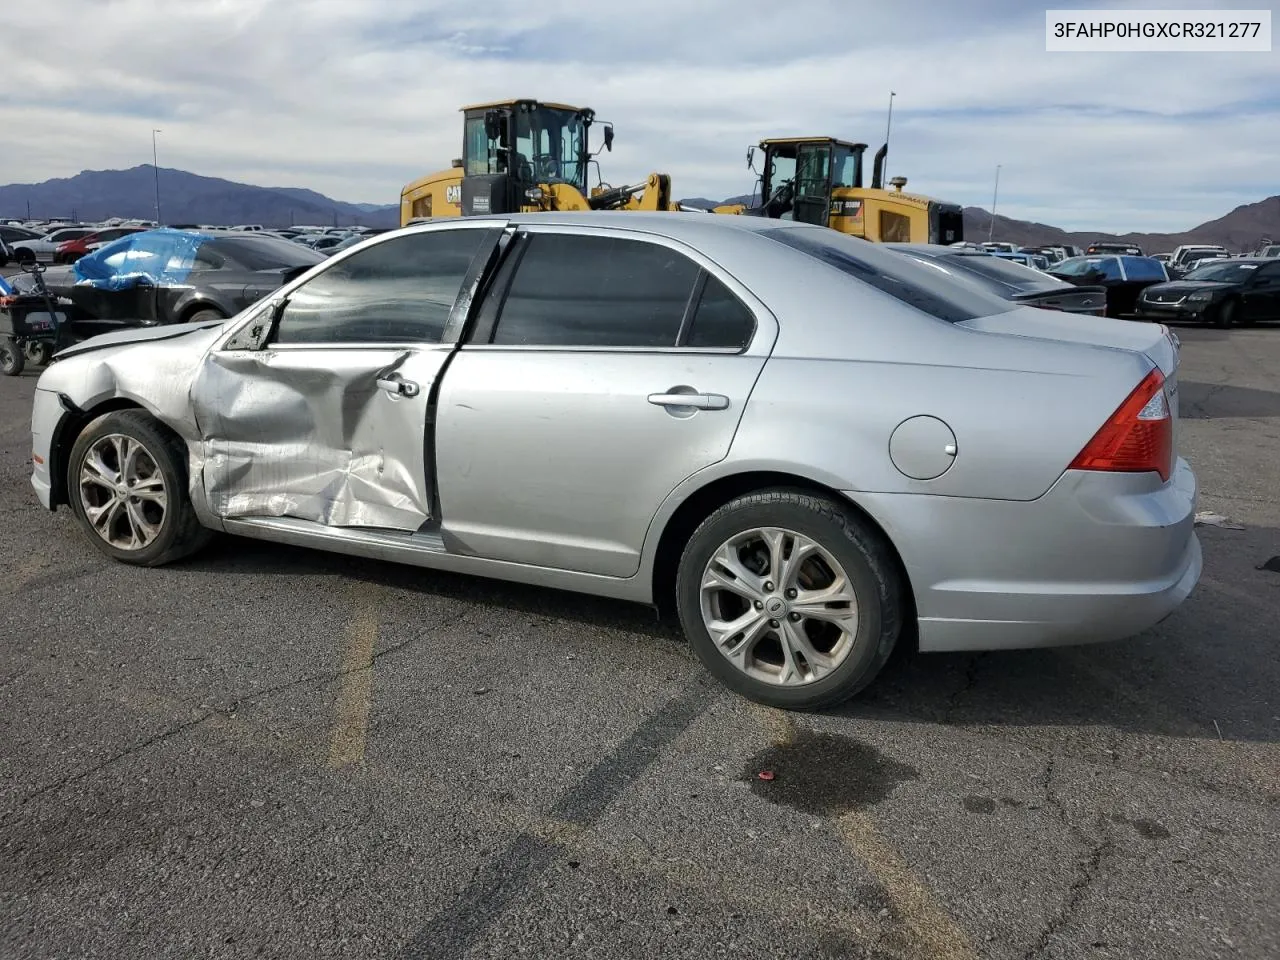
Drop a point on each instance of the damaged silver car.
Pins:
(805, 445)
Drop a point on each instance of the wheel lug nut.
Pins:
(795, 618)
(791, 594)
(774, 624)
(768, 586)
(759, 604)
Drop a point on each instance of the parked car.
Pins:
(1121, 249)
(1123, 277)
(1191, 251)
(180, 276)
(45, 247)
(1195, 262)
(1163, 258)
(1236, 290)
(996, 246)
(1007, 279)
(1267, 251)
(797, 439)
(12, 234)
(72, 250)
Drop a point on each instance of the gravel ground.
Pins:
(273, 752)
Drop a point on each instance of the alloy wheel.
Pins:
(779, 606)
(123, 492)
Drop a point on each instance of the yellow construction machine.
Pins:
(819, 180)
(525, 156)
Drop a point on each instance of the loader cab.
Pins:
(804, 179)
(513, 149)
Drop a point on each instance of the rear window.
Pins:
(999, 276)
(1143, 268)
(265, 253)
(922, 285)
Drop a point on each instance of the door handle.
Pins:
(700, 401)
(399, 385)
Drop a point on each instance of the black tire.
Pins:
(12, 358)
(180, 532)
(39, 352)
(1226, 314)
(868, 563)
(205, 316)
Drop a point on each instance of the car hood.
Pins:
(1151, 339)
(168, 331)
(1183, 287)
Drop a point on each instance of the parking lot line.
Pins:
(930, 929)
(346, 746)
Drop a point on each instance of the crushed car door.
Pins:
(317, 407)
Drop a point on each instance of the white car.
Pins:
(43, 247)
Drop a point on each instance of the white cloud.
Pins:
(355, 98)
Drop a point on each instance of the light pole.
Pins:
(155, 165)
(991, 229)
(887, 126)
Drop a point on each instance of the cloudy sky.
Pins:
(355, 97)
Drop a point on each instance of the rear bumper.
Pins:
(1099, 557)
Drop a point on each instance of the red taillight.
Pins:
(1139, 436)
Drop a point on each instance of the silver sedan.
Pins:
(807, 446)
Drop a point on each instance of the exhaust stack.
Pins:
(877, 173)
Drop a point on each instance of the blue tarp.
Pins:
(152, 257)
(5, 289)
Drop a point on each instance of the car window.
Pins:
(399, 291)
(264, 253)
(208, 258)
(590, 291)
(1223, 272)
(720, 319)
(906, 279)
(1269, 272)
(1142, 268)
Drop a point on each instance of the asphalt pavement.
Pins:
(273, 752)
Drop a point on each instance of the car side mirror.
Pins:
(608, 137)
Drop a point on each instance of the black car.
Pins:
(222, 274)
(1237, 290)
(1123, 277)
(1007, 279)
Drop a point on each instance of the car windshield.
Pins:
(919, 283)
(1223, 272)
(265, 253)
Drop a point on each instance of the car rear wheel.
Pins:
(127, 484)
(12, 359)
(789, 599)
(1226, 315)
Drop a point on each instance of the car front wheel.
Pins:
(790, 599)
(127, 484)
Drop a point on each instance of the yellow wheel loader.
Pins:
(525, 156)
(819, 180)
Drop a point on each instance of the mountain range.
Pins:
(96, 195)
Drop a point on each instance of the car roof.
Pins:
(674, 225)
